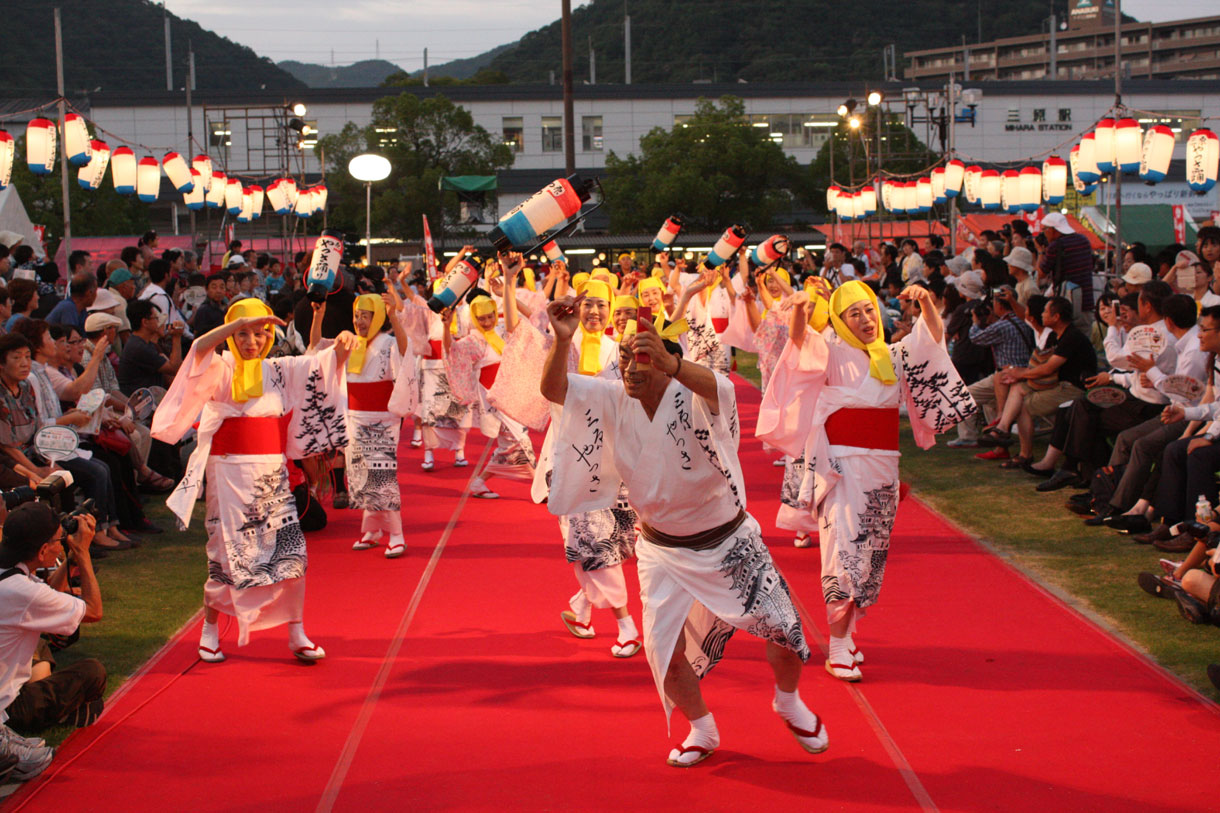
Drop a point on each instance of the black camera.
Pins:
(55, 490)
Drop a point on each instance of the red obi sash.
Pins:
(251, 436)
(434, 348)
(864, 428)
(720, 325)
(369, 396)
(487, 375)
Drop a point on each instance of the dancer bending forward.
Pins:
(256, 412)
(670, 431)
(833, 399)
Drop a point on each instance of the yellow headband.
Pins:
(651, 282)
(247, 373)
(482, 306)
(850, 293)
(782, 274)
(621, 302)
(375, 305)
(528, 275)
(578, 282)
(597, 289)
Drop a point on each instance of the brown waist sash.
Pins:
(700, 541)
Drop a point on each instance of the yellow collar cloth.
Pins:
(375, 305)
(248, 373)
(849, 293)
(591, 343)
(483, 306)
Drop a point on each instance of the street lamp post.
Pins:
(367, 168)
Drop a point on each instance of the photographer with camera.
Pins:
(34, 537)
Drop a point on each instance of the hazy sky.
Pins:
(399, 30)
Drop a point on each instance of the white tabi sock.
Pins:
(789, 706)
(627, 630)
(581, 608)
(840, 651)
(428, 455)
(209, 636)
(703, 734)
(417, 436)
(297, 639)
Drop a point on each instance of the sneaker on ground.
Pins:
(962, 443)
(998, 453)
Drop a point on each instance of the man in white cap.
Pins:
(1021, 265)
(110, 303)
(1068, 264)
(1137, 276)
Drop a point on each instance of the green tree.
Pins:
(714, 169)
(98, 213)
(855, 160)
(424, 139)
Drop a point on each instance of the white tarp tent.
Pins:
(13, 218)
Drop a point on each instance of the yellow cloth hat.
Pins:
(375, 305)
(880, 366)
(621, 302)
(527, 274)
(579, 281)
(651, 282)
(248, 373)
(482, 306)
(591, 343)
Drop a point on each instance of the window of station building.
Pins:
(1182, 122)
(220, 134)
(682, 121)
(552, 134)
(513, 128)
(591, 134)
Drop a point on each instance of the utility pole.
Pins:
(952, 155)
(425, 67)
(592, 64)
(63, 148)
(626, 45)
(1054, 49)
(190, 117)
(569, 134)
(1118, 102)
(169, 57)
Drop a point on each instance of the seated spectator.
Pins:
(111, 304)
(1020, 262)
(34, 695)
(912, 263)
(23, 294)
(81, 293)
(1041, 388)
(157, 293)
(142, 364)
(120, 280)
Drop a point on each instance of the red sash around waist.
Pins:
(864, 428)
(251, 436)
(434, 348)
(369, 396)
(487, 375)
(720, 325)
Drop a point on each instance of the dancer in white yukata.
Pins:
(669, 432)
(834, 398)
(707, 310)
(596, 542)
(256, 413)
(377, 372)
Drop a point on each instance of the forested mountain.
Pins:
(120, 45)
(367, 74)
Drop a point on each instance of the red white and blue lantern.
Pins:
(148, 179)
(40, 146)
(320, 195)
(955, 173)
(203, 165)
(938, 186)
(1029, 195)
(726, 247)
(247, 206)
(1010, 191)
(1128, 141)
(1202, 159)
(233, 196)
(538, 214)
(304, 204)
(1054, 180)
(770, 250)
(216, 191)
(1156, 154)
(868, 201)
(1086, 160)
(553, 253)
(990, 189)
(90, 176)
(1103, 145)
(667, 234)
(123, 170)
(277, 197)
(256, 202)
(923, 195)
(8, 150)
(178, 172)
(970, 183)
(77, 140)
(194, 199)
(832, 198)
(290, 189)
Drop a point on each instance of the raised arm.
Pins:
(315, 326)
(927, 308)
(393, 305)
(84, 382)
(512, 265)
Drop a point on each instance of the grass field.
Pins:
(1092, 568)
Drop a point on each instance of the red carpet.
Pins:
(981, 691)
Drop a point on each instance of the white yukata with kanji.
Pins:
(256, 550)
(683, 477)
(707, 313)
(854, 488)
(443, 419)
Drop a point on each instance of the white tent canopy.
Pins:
(13, 218)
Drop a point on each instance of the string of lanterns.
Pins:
(200, 186)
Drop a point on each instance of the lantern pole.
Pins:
(952, 155)
(1118, 172)
(63, 149)
(569, 116)
(190, 115)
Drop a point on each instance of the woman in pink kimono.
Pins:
(834, 398)
(254, 413)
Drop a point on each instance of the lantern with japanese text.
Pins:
(194, 199)
(216, 191)
(123, 170)
(91, 174)
(76, 140)
(989, 189)
(868, 200)
(923, 195)
(40, 146)
(1156, 154)
(955, 173)
(203, 165)
(148, 179)
(938, 186)
(178, 172)
(1128, 143)
(256, 202)
(970, 183)
(1010, 191)
(320, 194)
(8, 149)
(304, 205)
(887, 195)
(1202, 159)
(246, 214)
(1030, 191)
(1103, 145)
(1086, 160)
(232, 196)
(1054, 180)
(290, 190)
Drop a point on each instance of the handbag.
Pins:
(1041, 357)
(114, 441)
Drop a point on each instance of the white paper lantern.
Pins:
(1103, 145)
(257, 193)
(832, 197)
(1086, 161)
(868, 200)
(8, 149)
(148, 179)
(1030, 188)
(1010, 190)
(203, 165)
(304, 204)
(277, 198)
(90, 176)
(989, 189)
(887, 195)
(215, 198)
(40, 146)
(1128, 143)
(1054, 180)
(123, 170)
(194, 199)
(290, 191)
(1156, 154)
(923, 195)
(911, 188)
(178, 172)
(233, 196)
(77, 140)
(970, 183)
(246, 214)
(955, 173)
(321, 194)
(938, 186)
(1202, 159)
